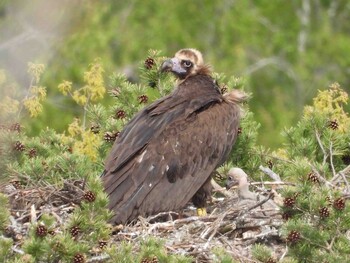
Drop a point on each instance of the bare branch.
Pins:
(218, 188)
(331, 158)
(270, 173)
(325, 155)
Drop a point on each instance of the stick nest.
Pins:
(231, 224)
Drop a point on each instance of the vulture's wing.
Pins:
(167, 152)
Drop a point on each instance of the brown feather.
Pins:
(169, 150)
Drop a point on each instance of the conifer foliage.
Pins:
(52, 188)
(317, 225)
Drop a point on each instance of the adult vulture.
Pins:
(166, 154)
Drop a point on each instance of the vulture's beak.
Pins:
(172, 65)
(166, 66)
(230, 183)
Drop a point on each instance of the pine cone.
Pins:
(271, 260)
(313, 177)
(269, 164)
(149, 63)
(102, 244)
(150, 260)
(89, 196)
(75, 231)
(95, 128)
(346, 159)
(120, 114)
(79, 258)
(15, 127)
(17, 184)
(32, 153)
(324, 212)
(18, 146)
(334, 125)
(289, 202)
(287, 215)
(143, 99)
(293, 236)
(41, 231)
(339, 203)
(110, 137)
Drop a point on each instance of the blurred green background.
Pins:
(285, 50)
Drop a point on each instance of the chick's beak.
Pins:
(230, 183)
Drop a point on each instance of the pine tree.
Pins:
(316, 210)
(315, 157)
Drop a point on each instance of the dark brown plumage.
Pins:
(166, 154)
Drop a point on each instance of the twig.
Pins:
(272, 183)
(214, 228)
(170, 214)
(17, 250)
(342, 174)
(326, 182)
(331, 158)
(270, 173)
(33, 214)
(284, 254)
(325, 155)
(99, 258)
(218, 188)
(256, 205)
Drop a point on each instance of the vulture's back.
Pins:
(169, 149)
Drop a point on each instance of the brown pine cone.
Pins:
(41, 231)
(79, 258)
(293, 236)
(89, 196)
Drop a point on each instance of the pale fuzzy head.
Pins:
(186, 62)
(192, 55)
(236, 176)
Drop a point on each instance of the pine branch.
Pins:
(325, 155)
(326, 182)
(331, 158)
(270, 173)
(342, 174)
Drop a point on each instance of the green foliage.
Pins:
(5, 243)
(316, 210)
(315, 151)
(222, 256)
(149, 248)
(261, 252)
(76, 155)
(285, 59)
(4, 216)
(5, 248)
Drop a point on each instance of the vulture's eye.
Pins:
(187, 63)
(230, 178)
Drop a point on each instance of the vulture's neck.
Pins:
(243, 190)
(200, 84)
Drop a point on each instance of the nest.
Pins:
(231, 225)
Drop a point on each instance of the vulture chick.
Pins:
(165, 155)
(237, 176)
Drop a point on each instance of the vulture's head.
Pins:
(236, 176)
(186, 62)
